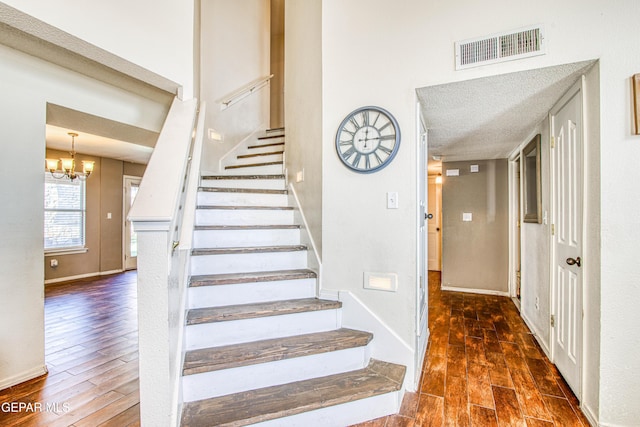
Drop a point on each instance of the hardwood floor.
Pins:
(91, 333)
(483, 368)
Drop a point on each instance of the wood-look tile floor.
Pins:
(91, 351)
(483, 368)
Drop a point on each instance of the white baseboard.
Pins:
(82, 276)
(22, 377)
(537, 335)
(475, 291)
(588, 413)
(386, 345)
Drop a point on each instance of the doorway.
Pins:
(131, 184)
(435, 222)
(566, 120)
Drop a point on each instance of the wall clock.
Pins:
(368, 139)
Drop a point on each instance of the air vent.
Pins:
(507, 46)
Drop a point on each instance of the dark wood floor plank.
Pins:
(529, 396)
(430, 411)
(433, 379)
(456, 406)
(507, 408)
(109, 411)
(479, 384)
(483, 417)
(562, 412)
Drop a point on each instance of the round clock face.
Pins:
(368, 139)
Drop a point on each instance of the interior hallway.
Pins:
(483, 368)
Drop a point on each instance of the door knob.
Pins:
(576, 261)
(428, 216)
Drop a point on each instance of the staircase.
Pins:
(261, 348)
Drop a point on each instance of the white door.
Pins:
(435, 224)
(566, 157)
(422, 250)
(130, 238)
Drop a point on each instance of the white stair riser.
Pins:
(259, 159)
(244, 217)
(244, 238)
(236, 380)
(242, 263)
(207, 198)
(256, 170)
(269, 149)
(266, 184)
(262, 328)
(345, 414)
(248, 293)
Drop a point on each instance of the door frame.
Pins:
(578, 87)
(515, 221)
(125, 210)
(422, 276)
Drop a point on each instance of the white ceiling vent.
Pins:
(521, 43)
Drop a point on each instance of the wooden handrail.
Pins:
(245, 91)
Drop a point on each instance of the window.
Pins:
(64, 213)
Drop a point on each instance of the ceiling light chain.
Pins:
(69, 164)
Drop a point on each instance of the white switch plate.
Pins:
(475, 168)
(392, 200)
(300, 176)
(453, 172)
(108, 215)
(467, 216)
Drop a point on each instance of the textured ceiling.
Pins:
(488, 118)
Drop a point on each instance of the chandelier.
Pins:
(68, 169)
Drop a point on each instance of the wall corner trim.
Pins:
(23, 376)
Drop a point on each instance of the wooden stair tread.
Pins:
(280, 129)
(273, 144)
(241, 190)
(270, 403)
(248, 250)
(253, 353)
(262, 138)
(251, 208)
(246, 227)
(253, 165)
(252, 277)
(248, 156)
(263, 309)
(219, 177)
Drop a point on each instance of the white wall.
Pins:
(155, 34)
(536, 258)
(235, 51)
(27, 85)
(373, 54)
(303, 108)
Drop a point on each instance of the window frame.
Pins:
(63, 250)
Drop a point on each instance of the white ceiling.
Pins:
(95, 145)
(488, 118)
(98, 136)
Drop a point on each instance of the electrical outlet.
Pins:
(53, 263)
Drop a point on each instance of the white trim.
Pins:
(82, 276)
(475, 291)
(314, 261)
(125, 239)
(588, 413)
(537, 335)
(69, 251)
(24, 376)
(387, 345)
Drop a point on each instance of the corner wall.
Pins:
(303, 108)
(475, 253)
(235, 51)
(27, 85)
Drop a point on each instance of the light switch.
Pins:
(475, 168)
(108, 215)
(392, 200)
(453, 172)
(467, 216)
